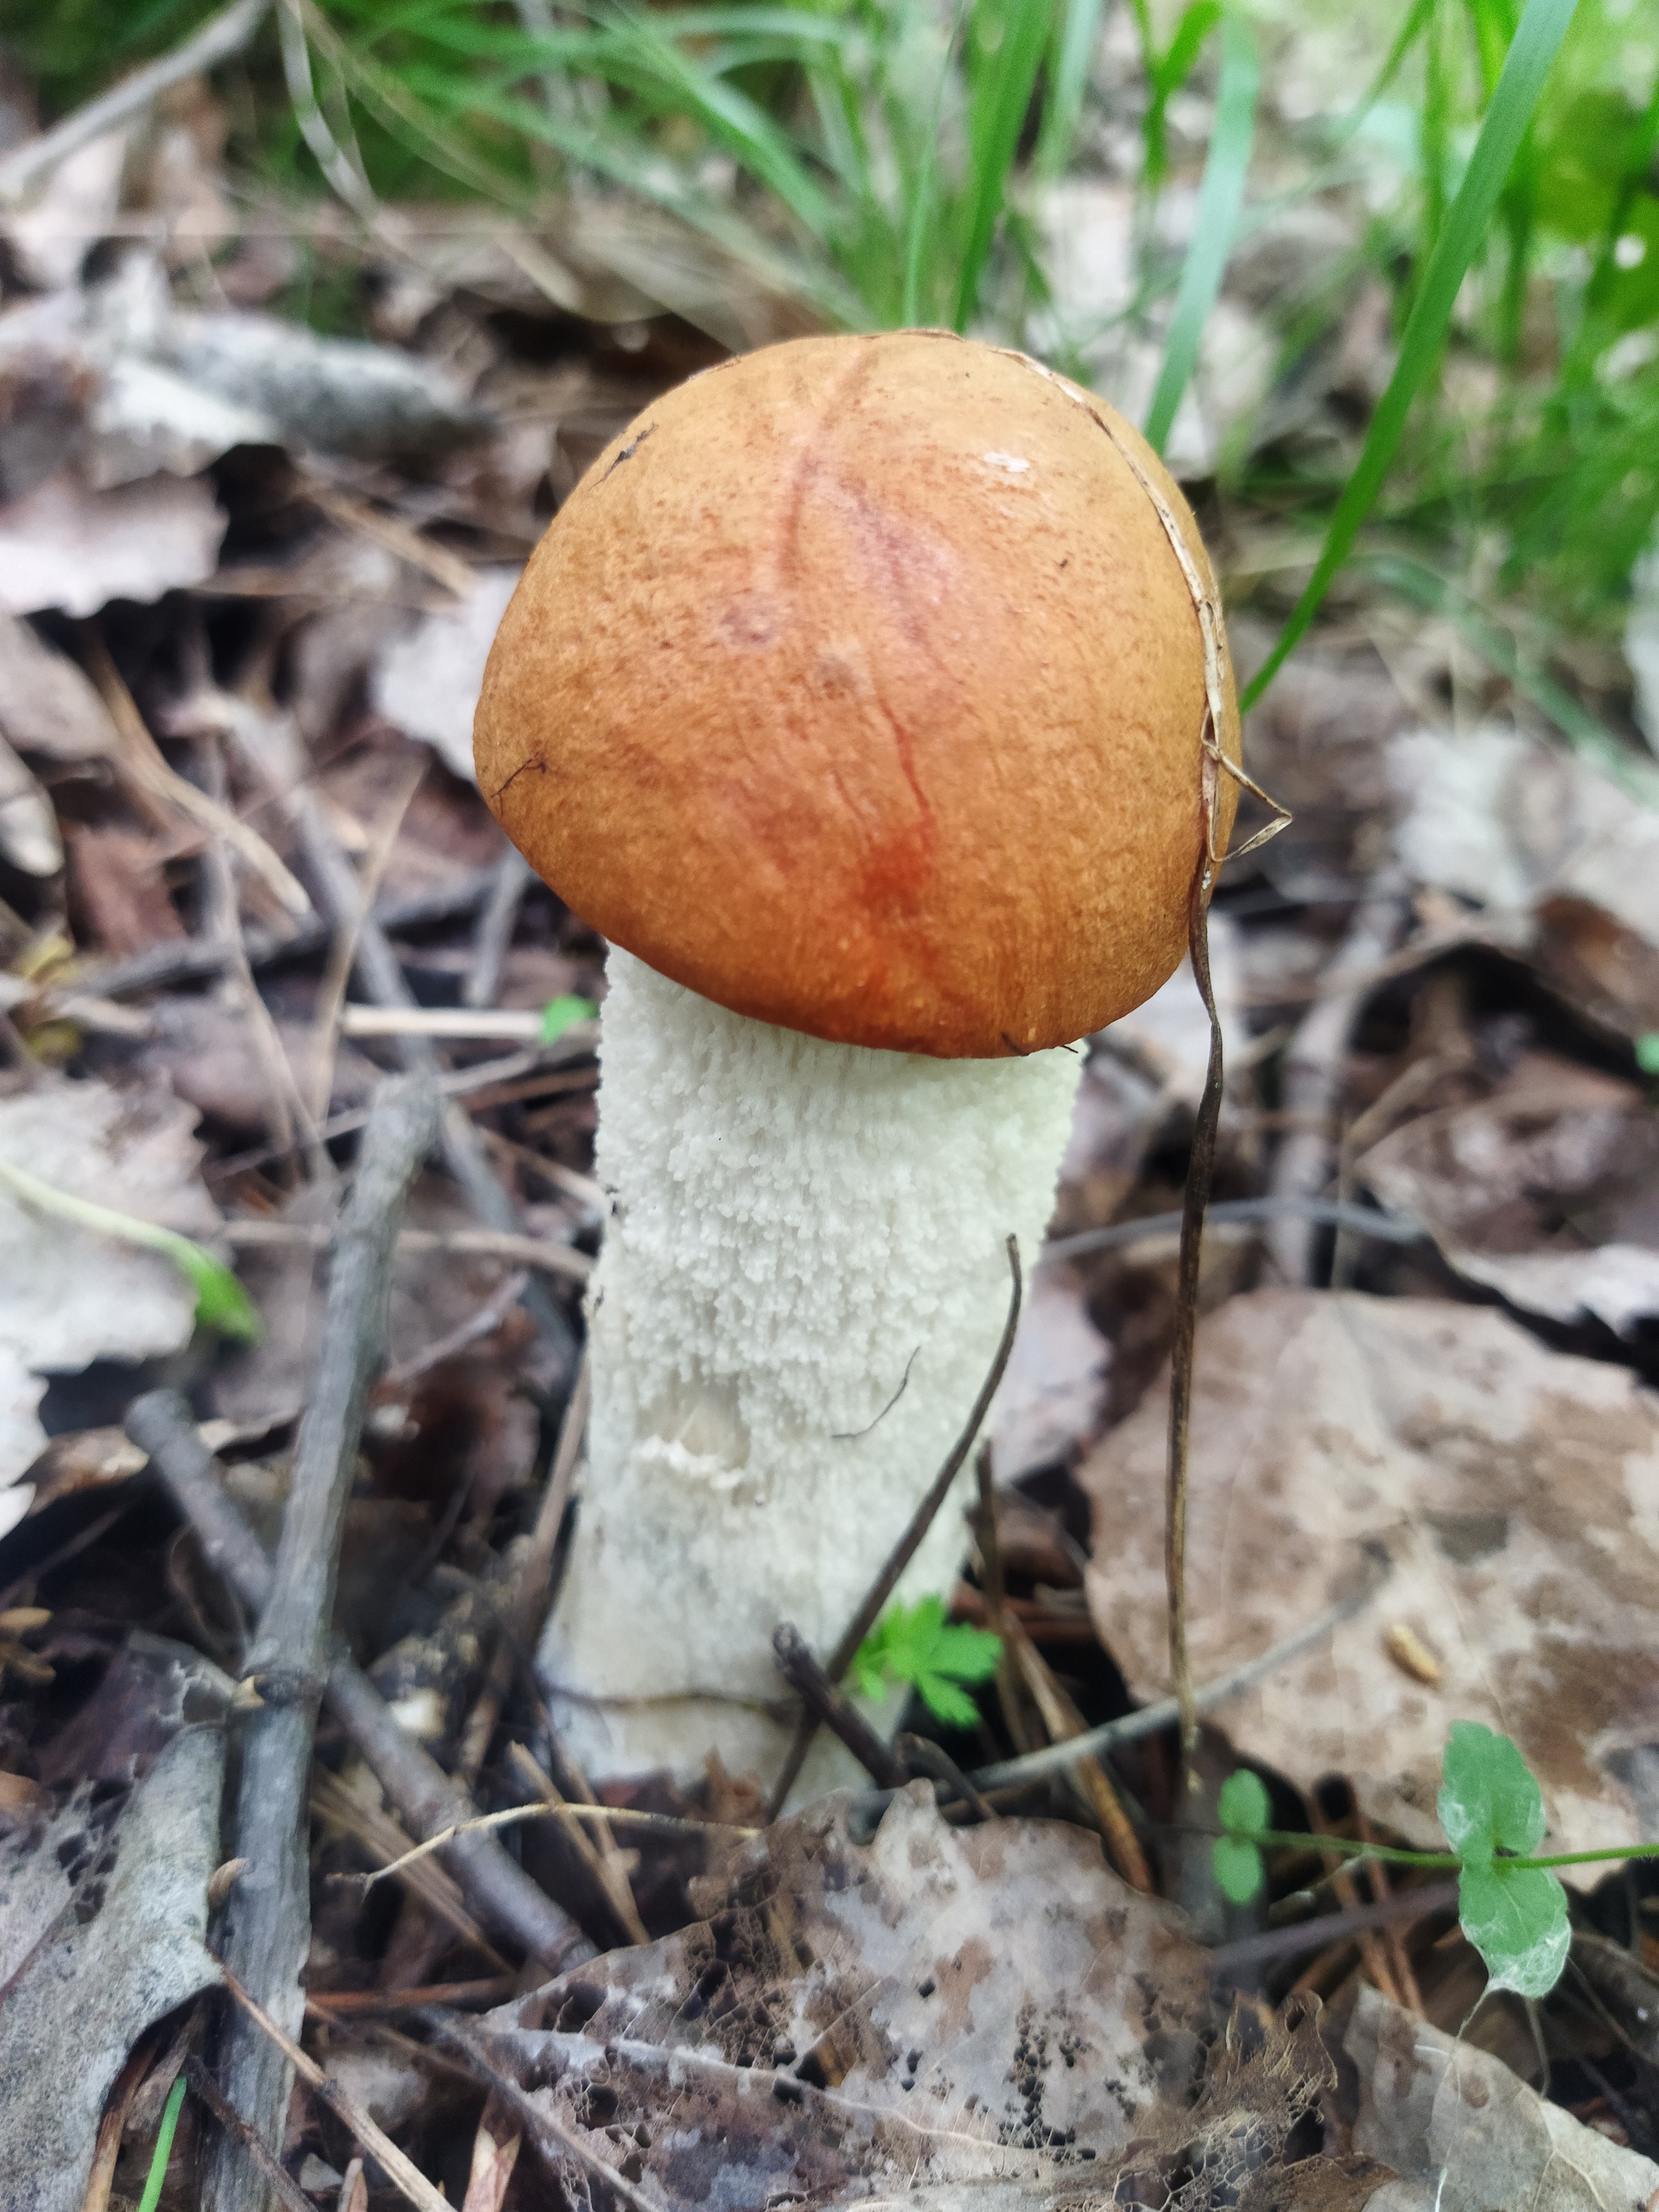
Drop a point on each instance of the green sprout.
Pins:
(1510, 1902)
(220, 1301)
(562, 1014)
(915, 1644)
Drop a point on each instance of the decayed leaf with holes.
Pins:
(937, 2004)
(1515, 1491)
(1547, 1193)
(103, 1914)
(68, 1295)
(1464, 2134)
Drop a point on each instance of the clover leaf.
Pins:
(1244, 1812)
(1515, 1917)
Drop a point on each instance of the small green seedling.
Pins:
(562, 1014)
(915, 1644)
(1510, 1901)
(1647, 1052)
(220, 1301)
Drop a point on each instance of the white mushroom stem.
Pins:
(800, 1293)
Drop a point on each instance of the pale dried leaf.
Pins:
(1464, 2134)
(428, 679)
(1514, 1490)
(67, 546)
(1508, 821)
(1547, 1193)
(104, 1935)
(937, 2004)
(1053, 1396)
(28, 826)
(67, 1294)
(47, 705)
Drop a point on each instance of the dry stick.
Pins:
(921, 1755)
(221, 36)
(1201, 1175)
(362, 2004)
(401, 2172)
(513, 877)
(518, 1250)
(343, 952)
(1063, 1721)
(236, 2130)
(599, 1852)
(162, 966)
(904, 1551)
(556, 2142)
(286, 1107)
(1313, 1076)
(161, 1424)
(1404, 1907)
(382, 978)
(270, 1915)
(828, 1707)
(523, 1600)
(148, 770)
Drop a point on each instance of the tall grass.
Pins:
(884, 161)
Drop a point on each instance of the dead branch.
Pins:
(269, 1913)
(513, 877)
(830, 1708)
(161, 1424)
(1313, 1076)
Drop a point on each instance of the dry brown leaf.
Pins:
(1465, 2134)
(937, 2004)
(1515, 1491)
(47, 703)
(1547, 1192)
(427, 679)
(1052, 1396)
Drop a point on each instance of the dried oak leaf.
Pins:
(1515, 1491)
(937, 2004)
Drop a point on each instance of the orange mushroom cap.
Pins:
(859, 688)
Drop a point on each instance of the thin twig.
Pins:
(382, 977)
(1312, 1079)
(830, 1707)
(1406, 1905)
(904, 1551)
(517, 1249)
(343, 952)
(599, 1851)
(556, 2142)
(494, 934)
(269, 1917)
(360, 2004)
(237, 2130)
(161, 967)
(1153, 1228)
(401, 2172)
(221, 36)
(1034, 1765)
(524, 1600)
(1201, 1175)
(1063, 1721)
(921, 1755)
(142, 759)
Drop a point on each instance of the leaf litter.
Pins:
(322, 529)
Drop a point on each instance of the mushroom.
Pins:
(858, 696)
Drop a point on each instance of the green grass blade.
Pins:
(220, 1301)
(163, 2151)
(924, 193)
(1165, 74)
(1073, 56)
(1007, 40)
(1534, 46)
(1220, 195)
